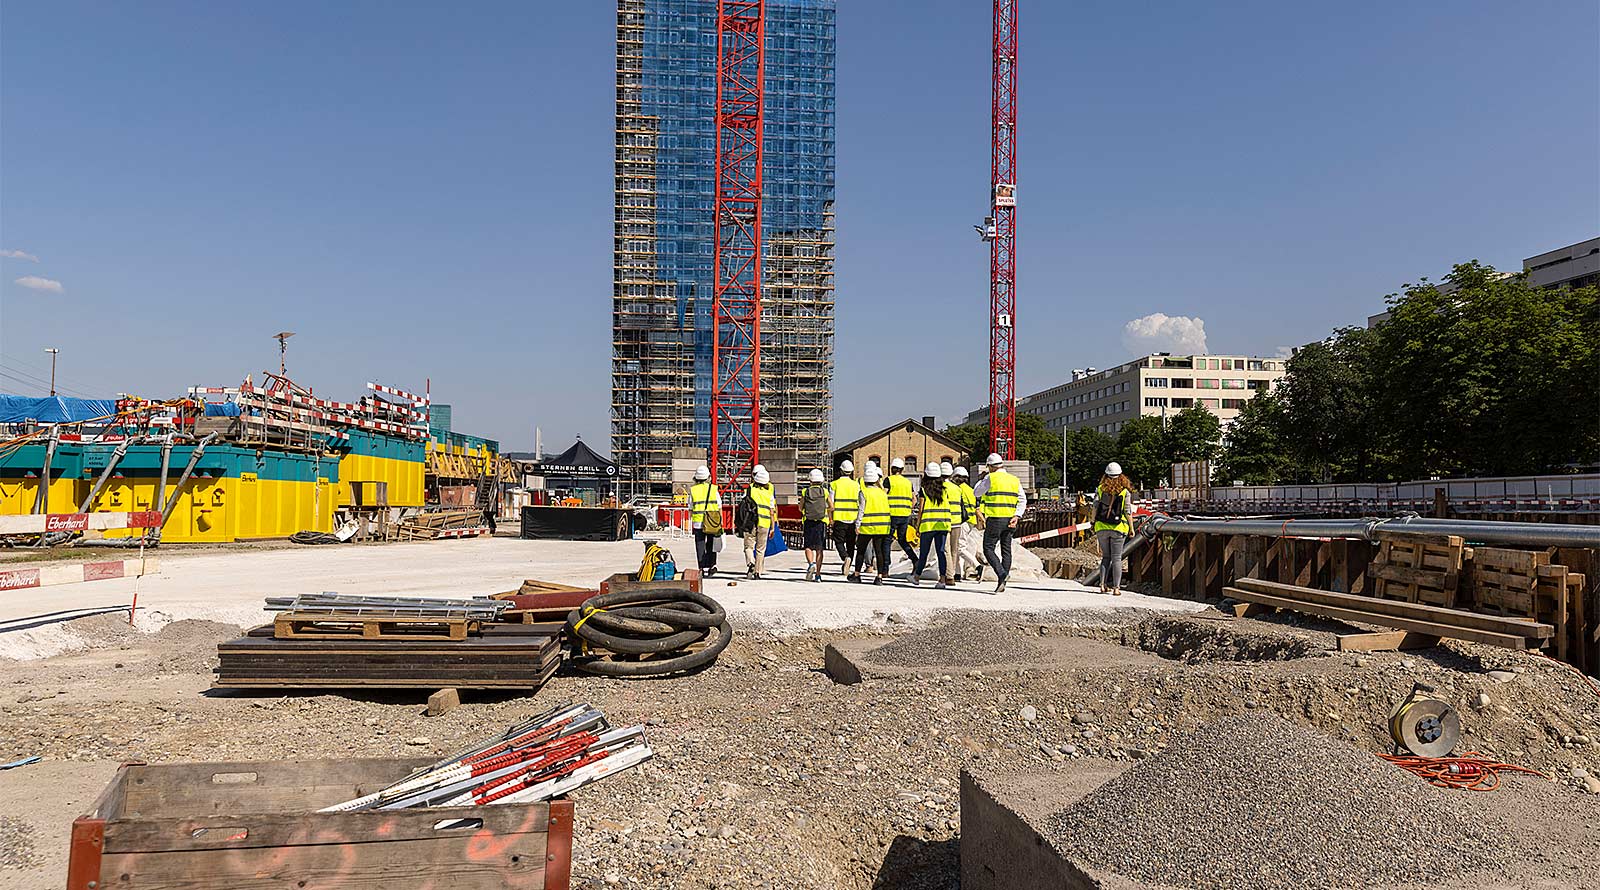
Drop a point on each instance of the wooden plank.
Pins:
(1391, 535)
(302, 829)
(1343, 614)
(1488, 577)
(1385, 641)
(1420, 577)
(1523, 561)
(1415, 611)
(1510, 602)
(1249, 610)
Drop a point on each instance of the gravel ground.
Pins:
(16, 844)
(1291, 807)
(768, 775)
(971, 640)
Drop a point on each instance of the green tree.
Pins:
(1257, 452)
(1142, 451)
(1192, 434)
(1328, 397)
(1086, 454)
(1490, 376)
(1036, 444)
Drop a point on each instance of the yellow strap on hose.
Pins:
(588, 613)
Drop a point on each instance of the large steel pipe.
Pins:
(1534, 534)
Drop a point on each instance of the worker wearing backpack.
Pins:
(755, 521)
(705, 515)
(814, 512)
(1113, 523)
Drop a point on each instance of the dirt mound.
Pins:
(1253, 802)
(968, 642)
(1196, 640)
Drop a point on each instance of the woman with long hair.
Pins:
(932, 516)
(1113, 523)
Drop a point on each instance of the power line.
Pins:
(41, 371)
(42, 383)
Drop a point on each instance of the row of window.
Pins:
(1198, 383)
(1216, 364)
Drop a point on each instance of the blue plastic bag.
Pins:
(775, 543)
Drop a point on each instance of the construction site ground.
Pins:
(769, 774)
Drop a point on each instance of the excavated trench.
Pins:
(1200, 640)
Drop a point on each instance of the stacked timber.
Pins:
(442, 524)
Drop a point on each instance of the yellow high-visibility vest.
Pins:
(969, 505)
(900, 496)
(762, 495)
(703, 498)
(1123, 508)
(875, 518)
(846, 499)
(935, 517)
(1000, 501)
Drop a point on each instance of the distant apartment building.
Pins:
(1576, 265)
(1155, 385)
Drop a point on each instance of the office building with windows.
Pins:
(1155, 385)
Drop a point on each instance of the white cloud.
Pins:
(19, 255)
(34, 282)
(1158, 332)
(1285, 352)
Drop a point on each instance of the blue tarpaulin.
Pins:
(53, 409)
(222, 409)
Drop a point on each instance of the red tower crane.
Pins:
(736, 269)
(1000, 230)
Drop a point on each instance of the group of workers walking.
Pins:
(864, 518)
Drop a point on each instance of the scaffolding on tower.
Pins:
(1000, 230)
(736, 273)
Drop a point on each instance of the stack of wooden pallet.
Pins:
(442, 524)
(1526, 584)
(1418, 568)
(1416, 624)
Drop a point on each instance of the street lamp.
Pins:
(53, 352)
(283, 348)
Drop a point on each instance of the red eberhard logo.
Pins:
(66, 522)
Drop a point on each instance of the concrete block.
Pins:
(443, 702)
(1003, 844)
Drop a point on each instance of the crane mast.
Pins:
(1000, 230)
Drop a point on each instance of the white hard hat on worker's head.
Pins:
(845, 466)
(898, 463)
(945, 469)
(1113, 469)
(816, 475)
(760, 475)
(931, 470)
(961, 471)
(702, 473)
(994, 460)
(872, 474)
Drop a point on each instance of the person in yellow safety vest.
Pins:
(1000, 502)
(704, 500)
(755, 540)
(933, 523)
(1113, 523)
(844, 505)
(901, 500)
(963, 519)
(872, 524)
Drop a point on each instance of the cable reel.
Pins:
(1425, 727)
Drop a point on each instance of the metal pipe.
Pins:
(183, 479)
(1534, 534)
(166, 464)
(43, 498)
(1145, 534)
(105, 475)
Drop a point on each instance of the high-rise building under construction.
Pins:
(661, 365)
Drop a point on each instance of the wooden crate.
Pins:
(253, 826)
(1503, 580)
(1417, 568)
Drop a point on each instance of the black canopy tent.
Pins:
(581, 471)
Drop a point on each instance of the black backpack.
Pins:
(746, 516)
(1108, 508)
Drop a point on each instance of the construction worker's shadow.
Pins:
(915, 862)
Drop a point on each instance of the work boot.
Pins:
(916, 578)
(880, 579)
(947, 581)
(750, 575)
(855, 577)
(1001, 587)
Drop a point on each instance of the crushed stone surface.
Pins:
(970, 642)
(16, 844)
(1252, 802)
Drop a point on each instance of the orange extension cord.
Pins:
(1469, 771)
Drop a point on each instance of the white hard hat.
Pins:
(846, 467)
(760, 474)
(1113, 469)
(945, 469)
(898, 463)
(994, 460)
(931, 470)
(961, 471)
(816, 475)
(872, 474)
(702, 473)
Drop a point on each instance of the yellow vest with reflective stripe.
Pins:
(969, 505)
(900, 496)
(875, 519)
(1000, 501)
(846, 499)
(762, 495)
(703, 497)
(935, 517)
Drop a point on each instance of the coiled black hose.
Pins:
(647, 633)
(310, 537)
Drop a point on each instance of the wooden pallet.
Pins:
(314, 626)
(1418, 568)
(1503, 580)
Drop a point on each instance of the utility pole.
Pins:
(53, 353)
(283, 349)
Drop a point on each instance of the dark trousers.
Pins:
(844, 541)
(879, 544)
(705, 552)
(936, 541)
(997, 534)
(897, 527)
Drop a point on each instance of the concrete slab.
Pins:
(851, 661)
(1002, 846)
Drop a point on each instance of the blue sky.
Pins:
(424, 191)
